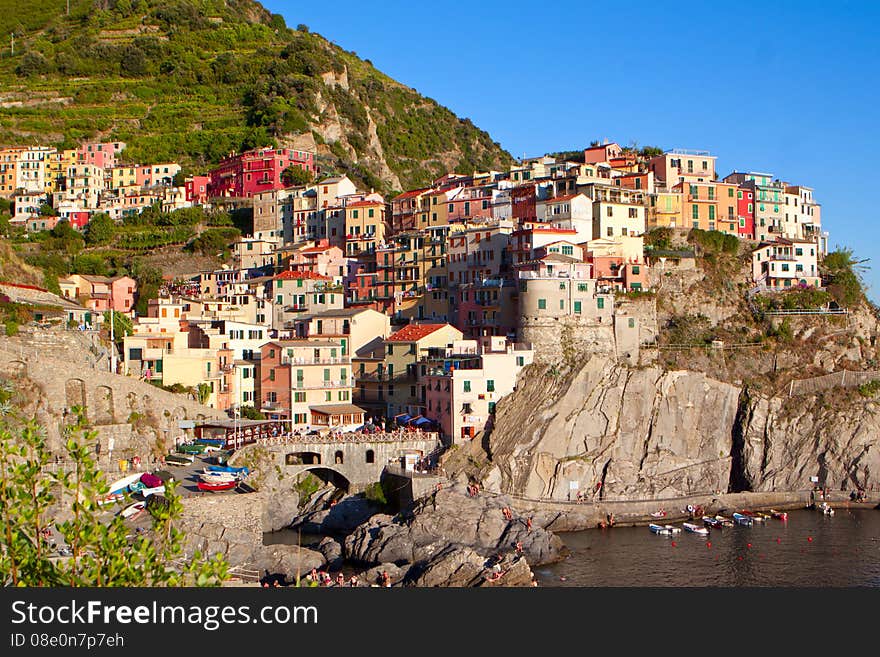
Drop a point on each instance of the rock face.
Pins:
(341, 518)
(612, 432)
(451, 517)
(291, 561)
(463, 567)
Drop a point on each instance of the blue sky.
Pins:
(784, 87)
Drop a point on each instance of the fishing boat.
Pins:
(740, 519)
(826, 509)
(110, 498)
(228, 468)
(712, 523)
(122, 485)
(673, 530)
(659, 529)
(695, 529)
(179, 459)
(659, 514)
(779, 515)
(216, 486)
(725, 521)
(216, 442)
(191, 448)
(215, 477)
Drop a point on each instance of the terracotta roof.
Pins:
(411, 194)
(294, 275)
(559, 199)
(414, 332)
(363, 204)
(316, 249)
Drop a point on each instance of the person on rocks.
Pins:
(340, 580)
(519, 547)
(385, 579)
(353, 581)
(529, 523)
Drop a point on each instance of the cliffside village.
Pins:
(341, 305)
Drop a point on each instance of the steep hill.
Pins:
(191, 80)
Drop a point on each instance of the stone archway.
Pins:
(103, 411)
(75, 393)
(331, 476)
(16, 369)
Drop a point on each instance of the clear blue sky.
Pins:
(784, 87)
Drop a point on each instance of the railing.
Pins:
(844, 379)
(532, 275)
(808, 311)
(288, 360)
(301, 437)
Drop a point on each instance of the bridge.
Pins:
(350, 461)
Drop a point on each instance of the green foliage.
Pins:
(102, 553)
(688, 330)
(203, 393)
(296, 176)
(783, 333)
(714, 241)
(307, 485)
(376, 493)
(658, 238)
(844, 283)
(11, 327)
(793, 299)
(100, 230)
(869, 389)
(214, 240)
(122, 325)
(251, 413)
(650, 151)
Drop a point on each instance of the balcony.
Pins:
(323, 385)
(271, 406)
(290, 360)
(537, 275)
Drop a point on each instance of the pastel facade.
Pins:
(785, 263)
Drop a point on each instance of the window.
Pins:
(610, 231)
(271, 374)
(711, 213)
(577, 307)
(562, 304)
(328, 396)
(730, 192)
(562, 286)
(632, 323)
(492, 404)
(299, 397)
(750, 208)
(609, 211)
(567, 250)
(784, 266)
(542, 304)
(370, 213)
(466, 409)
(467, 386)
(693, 191)
(799, 252)
(520, 361)
(695, 212)
(390, 348)
(633, 213)
(636, 269)
(600, 303)
(326, 374)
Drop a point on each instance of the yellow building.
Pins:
(364, 226)
(56, 169)
(123, 176)
(664, 210)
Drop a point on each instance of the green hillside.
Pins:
(191, 80)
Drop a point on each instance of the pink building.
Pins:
(472, 202)
(321, 259)
(100, 293)
(603, 153)
(244, 174)
(154, 175)
(101, 155)
(197, 189)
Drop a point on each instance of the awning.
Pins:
(422, 420)
(403, 418)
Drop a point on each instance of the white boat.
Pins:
(122, 484)
(695, 529)
(826, 509)
(132, 509)
(216, 477)
(158, 490)
(673, 530)
(740, 519)
(659, 529)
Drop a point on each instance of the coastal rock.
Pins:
(287, 560)
(340, 518)
(280, 511)
(374, 575)
(331, 550)
(449, 516)
(459, 566)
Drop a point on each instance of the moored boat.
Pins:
(242, 471)
(215, 477)
(695, 529)
(217, 442)
(191, 448)
(826, 509)
(659, 514)
(122, 485)
(132, 509)
(757, 516)
(712, 523)
(659, 529)
(673, 530)
(179, 459)
(216, 486)
(779, 515)
(740, 519)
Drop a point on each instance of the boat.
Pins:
(122, 485)
(215, 477)
(216, 442)
(659, 514)
(695, 529)
(659, 529)
(228, 468)
(190, 448)
(132, 509)
(110, 498)
(779, 515)
(826, 509)
(740, 519)
(757, 516)
(217, 486)
(725, 521)
(712, 523)
(179, 459)
(673, 530)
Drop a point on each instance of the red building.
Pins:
(523, 201)
(745, 210)
(244, 174)
(197, 189)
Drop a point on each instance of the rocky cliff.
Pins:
(611, 432)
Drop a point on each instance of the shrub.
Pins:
(376, 493)
(869, 389)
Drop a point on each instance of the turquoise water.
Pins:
(810, 549)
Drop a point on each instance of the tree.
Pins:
(47, 210)
(100, 229)
(122, 325)
(102, 554)
(294, 175)
(203, 392)
(251, 413)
